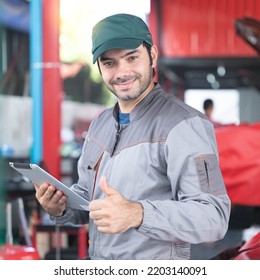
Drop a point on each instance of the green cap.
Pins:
(120, 31)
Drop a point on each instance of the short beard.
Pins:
(143, 88)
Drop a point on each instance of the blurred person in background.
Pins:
(208, 107)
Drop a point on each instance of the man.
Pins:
(149, 165)
(208, 107)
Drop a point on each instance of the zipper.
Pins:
(117, 136)
(95, 178)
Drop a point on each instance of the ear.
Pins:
(154, 55)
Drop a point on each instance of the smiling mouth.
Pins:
(124, 85)
(124, 81)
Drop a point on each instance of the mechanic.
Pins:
(149, 165)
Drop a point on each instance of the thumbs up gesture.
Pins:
(108, 190)
(114, 213)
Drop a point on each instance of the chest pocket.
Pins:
(93, 154)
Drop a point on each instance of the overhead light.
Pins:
(215, 85)
(221, 70)
(211, 78)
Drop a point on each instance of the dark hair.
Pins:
(148, 48)
(208, 103)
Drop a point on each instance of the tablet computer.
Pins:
(39, 176)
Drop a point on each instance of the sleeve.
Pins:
(200, 209)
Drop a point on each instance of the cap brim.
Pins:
(122, 43)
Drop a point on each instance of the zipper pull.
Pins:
(117, 136)
(206, 169)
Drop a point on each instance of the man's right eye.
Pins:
(108, 63)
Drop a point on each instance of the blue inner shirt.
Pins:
(123, 118)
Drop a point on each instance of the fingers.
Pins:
(96, 215)
(53, 201)
(102, 221)
(36, 187)
(44, 192)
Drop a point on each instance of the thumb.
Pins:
(108, 190)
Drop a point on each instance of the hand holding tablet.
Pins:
(39, 176)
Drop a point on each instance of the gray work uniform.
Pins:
(167, 160)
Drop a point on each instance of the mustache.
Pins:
(124, 79)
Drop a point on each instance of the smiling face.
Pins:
(128, 74)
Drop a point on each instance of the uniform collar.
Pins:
(140, 109)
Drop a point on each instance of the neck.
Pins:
(128, 106)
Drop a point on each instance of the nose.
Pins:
(123, 70)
